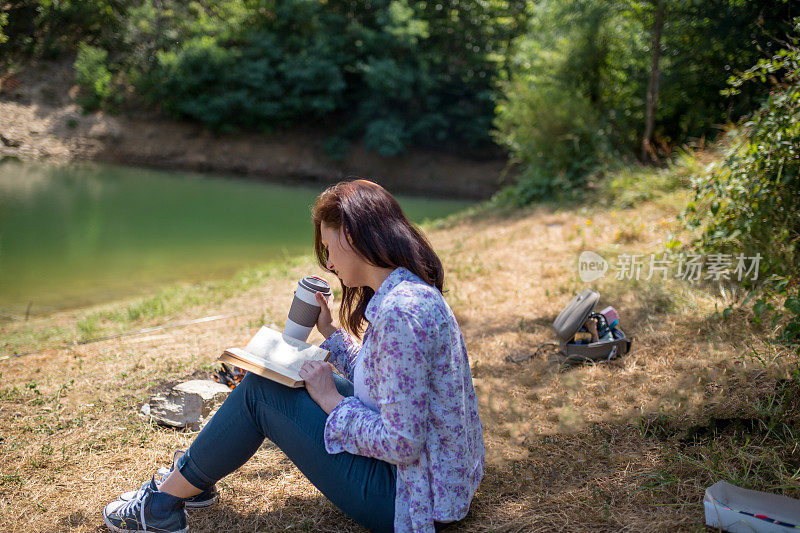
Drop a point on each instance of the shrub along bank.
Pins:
(750, 200)
(396, 74)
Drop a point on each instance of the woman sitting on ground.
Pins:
(398, 445)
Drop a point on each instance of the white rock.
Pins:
(188, 404)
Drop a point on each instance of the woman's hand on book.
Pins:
(325, 320)
(318, 377)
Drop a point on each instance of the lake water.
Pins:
(81, 234)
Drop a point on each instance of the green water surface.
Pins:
(81, 234)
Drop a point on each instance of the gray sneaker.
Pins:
(204, 500)
(136, 515)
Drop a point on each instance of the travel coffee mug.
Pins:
(305, 310)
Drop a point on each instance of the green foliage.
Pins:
(572, 73)
(554, 116)
(252, 84)
(87, 327)
(554, 134)
(52, 27)
(576, 94)
(394, 73)
(93, 76)
(749, 203)
(3, 23)
(391, 72)
(386, 136)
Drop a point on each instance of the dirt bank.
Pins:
(40, 119)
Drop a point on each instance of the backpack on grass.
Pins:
(570, 330)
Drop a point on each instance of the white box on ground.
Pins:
(739, 510)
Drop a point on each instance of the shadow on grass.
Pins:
(295, 513)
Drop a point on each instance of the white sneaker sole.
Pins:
(205, 504)
(116, 529)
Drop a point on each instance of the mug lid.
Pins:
(315, 284)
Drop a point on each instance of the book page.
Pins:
(273, 349)
(260, 362)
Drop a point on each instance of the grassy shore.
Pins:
(627, 445)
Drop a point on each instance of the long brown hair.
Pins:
(380, 232)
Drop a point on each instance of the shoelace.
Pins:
(132, 507)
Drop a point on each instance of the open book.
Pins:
(275, 356)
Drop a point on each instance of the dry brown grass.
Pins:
(619, 446)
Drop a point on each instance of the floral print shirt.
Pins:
(416, 368)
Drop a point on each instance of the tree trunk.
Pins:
(652, 87)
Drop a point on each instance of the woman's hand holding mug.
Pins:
(305, 310)
(325, 320)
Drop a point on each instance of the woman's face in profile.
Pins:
(343, 260)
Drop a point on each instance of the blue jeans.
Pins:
(362, 487)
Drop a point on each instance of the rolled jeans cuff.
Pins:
(192, 473)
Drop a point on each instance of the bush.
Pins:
(749, 203)
(553, 116)
(386, 136)
(395, 74)
(554, 134)
(3, 23)
(254, 84)
(51, 27)
(93, 76)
